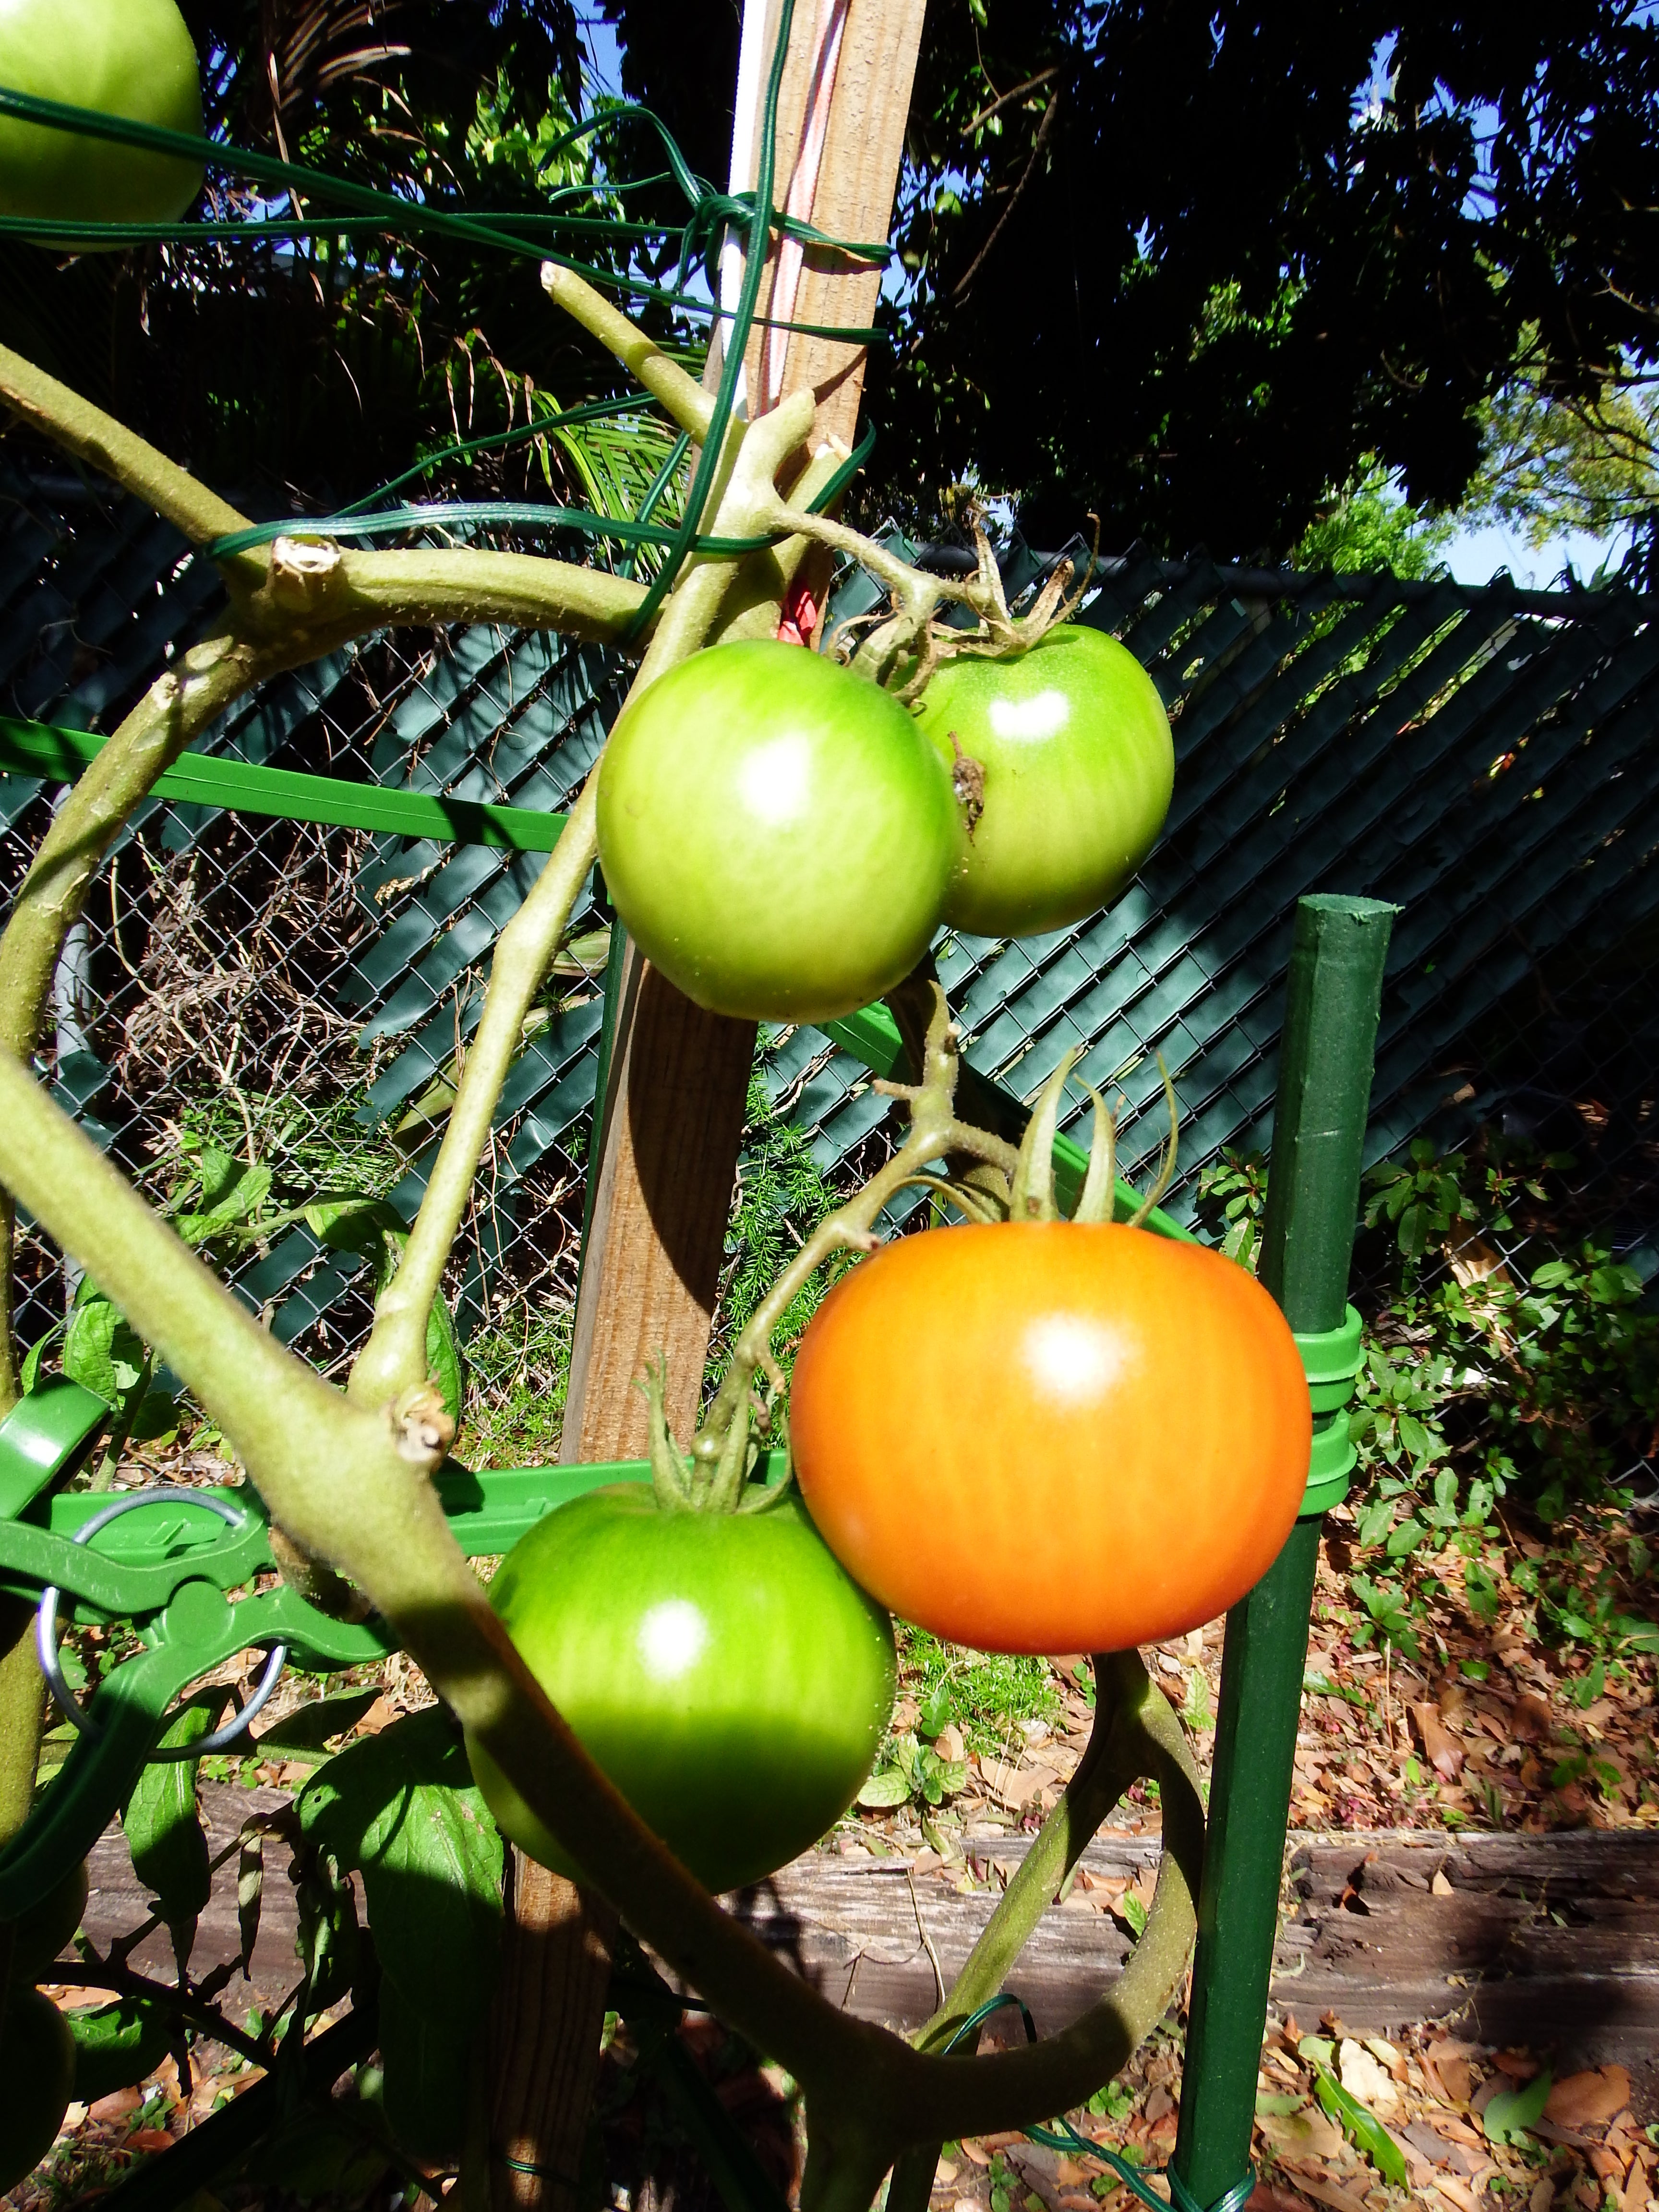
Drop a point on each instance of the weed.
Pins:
(517, 1375)
(986, 1694)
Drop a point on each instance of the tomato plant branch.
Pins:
(934, 1131)
(680, 395)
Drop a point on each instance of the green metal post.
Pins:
(1319, 1129)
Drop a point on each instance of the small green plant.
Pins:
(986, 1694)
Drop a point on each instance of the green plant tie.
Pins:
(1331, 1359)
(1060, 2134)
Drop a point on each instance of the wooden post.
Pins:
(674, 1083)
(669, 1124)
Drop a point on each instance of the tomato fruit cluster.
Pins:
(1051, 1435)
(720, 1668)
(782, 838)
(131, 59)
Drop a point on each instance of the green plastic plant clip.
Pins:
(41, 1437)
(1331, 1359)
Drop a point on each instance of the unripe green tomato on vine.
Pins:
(132, 58)
(37, 2073)
(720, 1668)
(775, 833)
(1066, 749)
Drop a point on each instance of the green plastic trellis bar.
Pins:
(1313, 1202)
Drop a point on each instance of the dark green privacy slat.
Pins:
(37, 748)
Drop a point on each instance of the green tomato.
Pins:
(776, 834)
(37, 2070)
(133, 58)
(722, 1670)
(1074, 745)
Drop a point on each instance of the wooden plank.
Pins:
(665, 1159)
(841, 138)
(1546, 1941)
(667, 1131)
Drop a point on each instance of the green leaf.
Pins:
(102, 1352)
(1512, 2112)
(443, 1357)
(309, 1727)
(354, 1223)
(1130, 1909)
(164, 1830)
(401, 1807)
(231, 1205)
(1406, 1537)
(327, 1936)
(1481, 1592)
(1362, 2128)
(116, 2045)
(426, 2062)
(1377, 1520)
(888, 1786)
(935, 1712)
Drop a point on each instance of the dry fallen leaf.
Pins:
(1327, 2192)
(116, 2105)
(1529, 1718)
(1440, 1887)
(1586, 2100)
(975, 2153)
(1442, 1750)
(1456, 2193)
(1365, 2078)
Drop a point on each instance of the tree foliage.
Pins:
(322, 371)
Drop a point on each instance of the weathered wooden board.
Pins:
(1549, 1941)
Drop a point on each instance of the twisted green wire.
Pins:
(1060, 2134)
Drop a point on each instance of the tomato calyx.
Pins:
(907, 642)
(1031, 1194)
(715, 1476)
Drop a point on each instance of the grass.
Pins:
(517, 1376)
(986, 1694)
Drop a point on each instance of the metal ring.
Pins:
(45, 1627)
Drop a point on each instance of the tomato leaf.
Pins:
(1512, 2112)
(327, 1935)
(115, 2045)
(427, 2064)
(164, 1829)
(1362, 2128)
(102, 1352)
(443, 1357)
(402, 1808)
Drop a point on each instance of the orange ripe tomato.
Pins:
(1051, 1436)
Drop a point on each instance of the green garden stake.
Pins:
(1313, 1202)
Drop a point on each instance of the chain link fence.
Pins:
(262, 1019)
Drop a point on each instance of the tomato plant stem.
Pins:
(934, 1131)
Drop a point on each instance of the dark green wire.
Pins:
(731, 367)
(1060, 2134)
